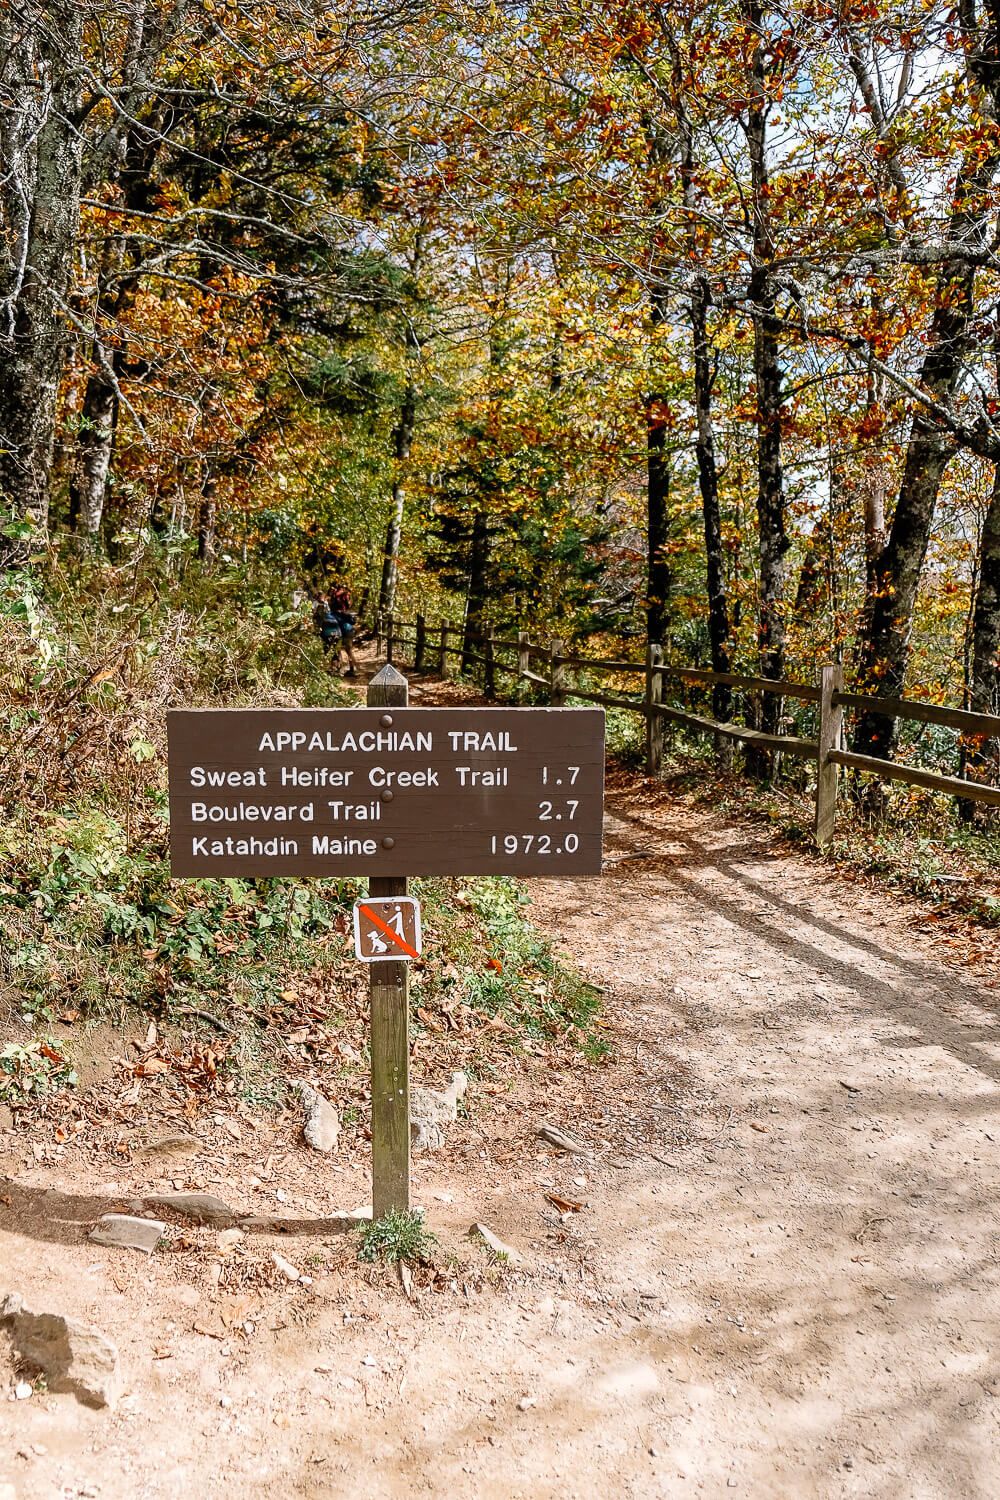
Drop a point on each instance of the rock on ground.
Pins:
(553, 1136)
(290, 1272)
(75, 1359)
(431, 1112)
(129, 1232)
(175, 1146)
(321, 1126)
(495, 1243)
(202, 1208)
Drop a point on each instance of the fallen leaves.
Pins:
(198, 1068)
(564, 1205)
(149, 1067)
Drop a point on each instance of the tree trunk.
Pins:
(479, 557)
(813, 583)
(773, 543)
(88, 484)
(895, 576)
(138, 183)
(705, 451)
(206, 515)
(773, 540)
(402, 438)
(708, 482)
(884, 649)
(659, 579)
(44, 179)
(982, 759)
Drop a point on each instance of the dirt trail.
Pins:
(784, 1284)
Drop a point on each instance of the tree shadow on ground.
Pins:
(59, 1218)
(915, 1001)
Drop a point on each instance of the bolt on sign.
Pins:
(363, 791)
(387, 930)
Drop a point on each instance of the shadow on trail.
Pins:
(917, 999)
(59, 1218)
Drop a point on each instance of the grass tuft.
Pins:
(398, 1235)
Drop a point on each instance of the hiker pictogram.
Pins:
(387, 928)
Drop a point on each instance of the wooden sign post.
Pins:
(386, 791)
(390, 1021)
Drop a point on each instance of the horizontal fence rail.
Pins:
(429, 646)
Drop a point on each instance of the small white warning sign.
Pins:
(387, 928)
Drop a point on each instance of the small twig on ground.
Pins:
(206, 1015)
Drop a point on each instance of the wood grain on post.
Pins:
(419, 644)
(654, 720)
(390, 1025)
(831, 719)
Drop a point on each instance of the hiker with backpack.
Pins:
(340, 604)
(336, 622)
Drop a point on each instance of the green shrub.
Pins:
(398, 1235)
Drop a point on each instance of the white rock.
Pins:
(22, 1391)
(321, 1126)
(285, 1266)
(431, 1112)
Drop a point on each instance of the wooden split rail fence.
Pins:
(430, 646)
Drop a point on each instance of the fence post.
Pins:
(390, 627)
(523, 658)
(831, 719)
(448, 629)
(654, 721)
(489, 670)
(420, 644)
(443, 648)
(558, 675)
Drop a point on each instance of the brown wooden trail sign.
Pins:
(386, 791)
(359, 791)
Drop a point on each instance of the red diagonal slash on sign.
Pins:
(390, 932)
